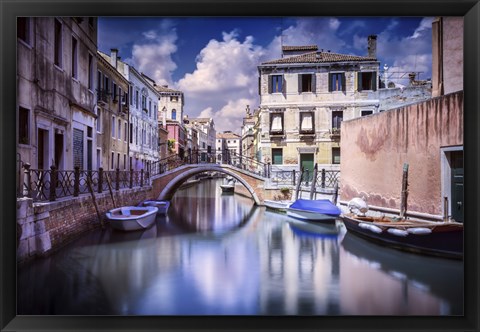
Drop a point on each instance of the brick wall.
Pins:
(45, 227)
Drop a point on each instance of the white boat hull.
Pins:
(132, 218)
(315, 227)
(227, 188)
(162, 206)
(277, 205)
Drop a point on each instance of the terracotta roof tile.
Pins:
(300, 48)
(320, 57)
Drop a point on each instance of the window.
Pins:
(106, 85)
(99, 158)
(306, 83)
(367, 81)
(174, 114)
(58, 44)
(131, 94)
(306, 122)
(336, 82)
(276, 84)
(365, 113)
(173, 98)
(337, 118)
(113, 126)
(118, 160)
(23, 126)
(99, 120)
(23, 29)
(114, 91)
(131, 132)
(136, 99)
(276, 123)
(74, 58)
(277, 156)
(124, 161)
(335, 155)
(119, 129)
(90, 71)
(125, 133)
(144, 103)
(112, 166)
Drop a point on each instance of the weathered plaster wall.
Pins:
(452, 54)
(374, 149)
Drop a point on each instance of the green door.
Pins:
(457, 186)
(306, 161)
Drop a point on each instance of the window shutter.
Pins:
(284, 85)
(330, 82)
(359, 81)
(344, 82)
(270, 79)
(374, 81)
(300, 76)
(314, 85)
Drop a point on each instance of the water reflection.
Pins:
(219, 254)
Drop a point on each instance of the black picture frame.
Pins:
(9, 9)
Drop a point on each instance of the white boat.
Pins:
(314, 227)
(280, 206)
(132, 218)
(228, 185)
(161, 205)
(319, 210)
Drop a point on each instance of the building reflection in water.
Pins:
(218, 254)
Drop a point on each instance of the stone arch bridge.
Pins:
(165, 185)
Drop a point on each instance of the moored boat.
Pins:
(426, 237)
(314, 227)
(228, 185)
(161, 205)
(319, 210)
(280, 206)
(132, 218)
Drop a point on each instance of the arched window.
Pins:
(174, 114)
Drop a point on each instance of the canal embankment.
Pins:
(44, 227)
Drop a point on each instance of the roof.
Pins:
(300, 48)
(228, 135)
(161, 88)
(319, 57)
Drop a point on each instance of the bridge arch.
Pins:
(174, 184)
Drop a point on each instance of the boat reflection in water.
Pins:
(415, 284)
(217, 254)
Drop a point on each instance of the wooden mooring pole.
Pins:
(110, 189)
(297, 191)
(403, 203)
(90, 188)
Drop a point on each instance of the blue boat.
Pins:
(162, 206)
(316, 210)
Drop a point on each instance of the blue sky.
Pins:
(214, 60)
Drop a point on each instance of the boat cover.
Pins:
(323, 206)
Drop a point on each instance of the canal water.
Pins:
(219, 254)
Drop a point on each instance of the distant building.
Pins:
(232, 147)
(206, 136)
(248, 135)
(171, 116)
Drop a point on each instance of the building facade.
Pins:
(170, 114)
(56, 66)
(304, 97)
(112, 124)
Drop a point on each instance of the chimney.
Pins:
(372, 46)
(114, 57)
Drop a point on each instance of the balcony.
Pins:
(103, 96)
(335, 133)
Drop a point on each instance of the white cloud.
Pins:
(224, 82)
(153, 56)
(425, 24)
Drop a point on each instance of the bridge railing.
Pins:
(51, 184)
(246, 163)
(323, 178)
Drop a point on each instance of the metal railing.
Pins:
(323, 178)
(49, 185)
